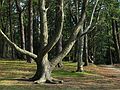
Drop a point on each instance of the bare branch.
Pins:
(91, 20)
(13, 45)
(59, 28)
(71, 41)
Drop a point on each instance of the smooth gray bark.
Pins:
(71, 41)
(59, 28)
(42, 73)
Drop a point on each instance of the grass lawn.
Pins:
(13, 75)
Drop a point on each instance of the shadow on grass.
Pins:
(16, 79)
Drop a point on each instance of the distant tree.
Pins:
(30, 29)
(21, 25)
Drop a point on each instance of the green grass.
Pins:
(69, 71)
(11, 71)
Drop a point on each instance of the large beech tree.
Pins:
(44, 65)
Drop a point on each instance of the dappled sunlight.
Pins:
(14, 74)
(12, 71)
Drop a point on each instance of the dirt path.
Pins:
(109, 71)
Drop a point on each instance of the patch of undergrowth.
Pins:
(68, 73)
(69, 70)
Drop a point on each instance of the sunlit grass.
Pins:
(68, 73)
(12, 71)
(20, 68)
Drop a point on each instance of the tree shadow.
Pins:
(17, 79)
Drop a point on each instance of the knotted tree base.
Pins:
(51, 81)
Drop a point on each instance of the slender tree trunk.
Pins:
(21, 25)
(118, 33)
(80, 55)
(59, 26)
(110, 58)
(11, 31)
(30, 30)
(86, 50)
(22, 33)
(58, 50)
(115, 39)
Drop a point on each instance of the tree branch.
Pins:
(59, 28)
(91, 20)
(13, 45)
(71, 41)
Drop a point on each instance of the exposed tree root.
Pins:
(57, 80)
(80, 69)
(33, 79)
(51, 81)
(39, 81)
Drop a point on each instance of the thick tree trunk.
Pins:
(42, 77)
(43, 73)
(43, 67)
(43, 63)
